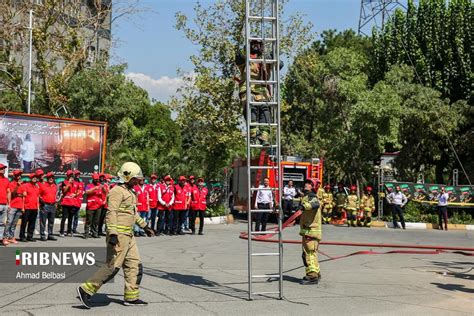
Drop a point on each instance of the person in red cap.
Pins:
(68, 203)
(198, 206)
(142, 205)
(31, 206)
(95, 193)
(80, 189)
(47, 199)
(179, 207)
(352, 206)
(152, 189)
(104, 181)
(3, 194)
(39, 174)
(190, 186)
(165, 205)
(15, 198)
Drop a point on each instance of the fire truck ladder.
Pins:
(261, 23)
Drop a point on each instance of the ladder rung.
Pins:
(263, 146)
(263, 82)
(263, 61)
(266, 254)
(266, 39)
(264, 232)
(263, 124)
(261, 211)
(264, 167)
(259, 18)
(266, 276)
(264, 293)
(258, 189)
(263, 103)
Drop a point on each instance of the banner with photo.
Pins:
(459, 196)
(29, 142)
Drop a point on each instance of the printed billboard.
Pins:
(29, 142)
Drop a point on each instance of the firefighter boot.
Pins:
(368, 219)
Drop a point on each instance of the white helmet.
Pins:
(130, 170)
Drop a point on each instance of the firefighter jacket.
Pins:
(122, 212)
(341, 199)
(310, 222)
(352, 202)
(367, 203)
(328, 200)
(257, 72)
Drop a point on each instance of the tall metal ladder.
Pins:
(264, 12)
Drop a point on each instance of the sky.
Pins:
(153, 49)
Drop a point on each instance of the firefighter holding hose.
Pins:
(310, 231)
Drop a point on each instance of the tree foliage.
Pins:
(436, 38)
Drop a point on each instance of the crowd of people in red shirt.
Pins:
(168, 208)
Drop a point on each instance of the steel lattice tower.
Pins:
(376, 12)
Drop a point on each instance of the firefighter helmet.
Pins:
(327, 187)
(353, 188)
(130, 170)
(368, 188)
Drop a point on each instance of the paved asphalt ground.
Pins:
(206, 275)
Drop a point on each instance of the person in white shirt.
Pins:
(263, 201)
(398, 200)
(443, 198)
(289, 192)
(27, 153)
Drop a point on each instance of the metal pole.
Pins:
(249, 158)
(30, 27)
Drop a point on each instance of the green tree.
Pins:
(436, 38)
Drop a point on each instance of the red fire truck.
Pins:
(292, 168)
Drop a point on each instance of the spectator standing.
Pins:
(4, 183)
(47, 199)
(31, 206)
(398, 200)
(289, 193)
(15, 201)
(263, 201)
(443, 198)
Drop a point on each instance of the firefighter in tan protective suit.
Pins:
(328, 204)
(367, 205)
(122, 251)
(352, 206)
(310, 230)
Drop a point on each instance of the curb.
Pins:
(380, 224)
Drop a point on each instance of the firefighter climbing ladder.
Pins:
(261, 23)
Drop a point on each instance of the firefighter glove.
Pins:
(113, 240)
(148, 231)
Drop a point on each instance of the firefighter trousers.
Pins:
(124, 255)
(310, 255)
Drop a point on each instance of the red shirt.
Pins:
(3, 189)
(180, 197)
(17, 198)
(32, 194)
(80, 190)
(68, 197)
(47, 192)
(142, 198)
(198, 201)
(152, 190)
(95, 200)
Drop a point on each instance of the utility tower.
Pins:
(376, 12)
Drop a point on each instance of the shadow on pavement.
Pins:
(100, 300)
(454, 287)
(199, 282)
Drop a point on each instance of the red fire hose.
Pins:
(422, 249)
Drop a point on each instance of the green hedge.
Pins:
(416, 212)
(217, 210)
